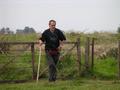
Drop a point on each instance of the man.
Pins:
(53, 39)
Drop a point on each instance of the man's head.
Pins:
(52, 25)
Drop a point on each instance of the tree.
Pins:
(28, 30)
(118, 30)
(2, 31)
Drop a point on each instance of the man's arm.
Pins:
(62, 40)
(42, 39)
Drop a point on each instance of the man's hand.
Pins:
(61, 45)
(40, 43)
(60, 48)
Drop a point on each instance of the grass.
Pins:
(19, 37)
(103, 69)
(106, 69)
(76, 84)
(103, 77)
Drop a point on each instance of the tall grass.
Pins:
(67, 68)
(19, 37)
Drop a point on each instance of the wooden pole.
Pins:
(119, 59)
(79, 56)
(87, 50)
(33, 59)
(39, 64)
(92, 56)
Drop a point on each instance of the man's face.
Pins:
(52, 25)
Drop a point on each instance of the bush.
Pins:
(113, 52)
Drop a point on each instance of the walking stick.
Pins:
(39, 64)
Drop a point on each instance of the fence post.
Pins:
(33, 59)
(79, 55)
(87, 51)
(119, 59)
(92, 56)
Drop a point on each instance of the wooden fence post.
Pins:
(33, 59)
(92, 54)
(87, 53)
(79, 56)
(119, 59)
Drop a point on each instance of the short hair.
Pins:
(52, 21)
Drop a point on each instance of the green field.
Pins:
(75, 84)
(102, 77)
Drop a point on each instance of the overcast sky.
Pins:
(78, 15)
